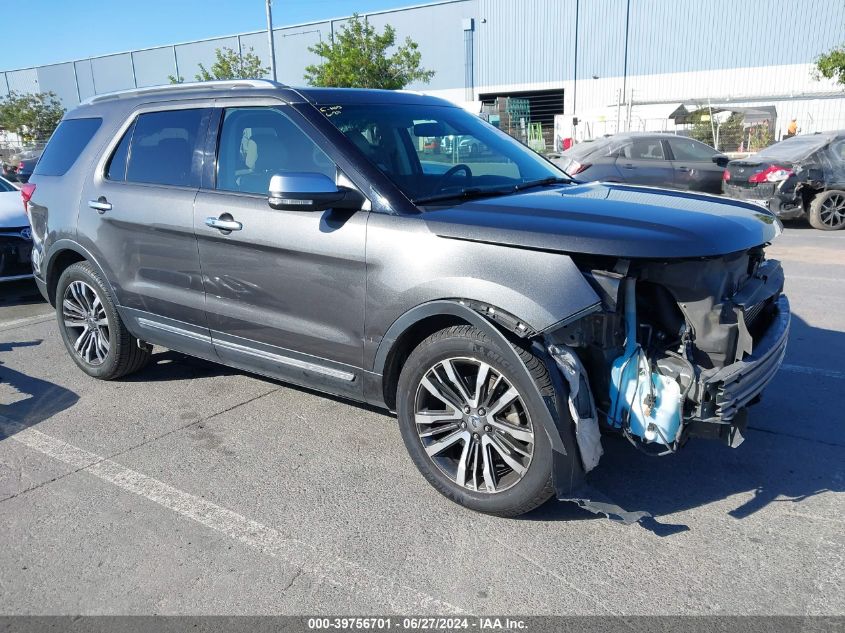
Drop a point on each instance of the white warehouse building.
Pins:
(613, 64)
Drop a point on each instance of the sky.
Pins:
(48, 31)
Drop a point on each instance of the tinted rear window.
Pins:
(795, 148)
(162, 148)
(586, 148)
(65, 146)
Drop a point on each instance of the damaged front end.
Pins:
(680, 348)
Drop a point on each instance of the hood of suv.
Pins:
(610, 219)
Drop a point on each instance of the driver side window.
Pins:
(257, 143)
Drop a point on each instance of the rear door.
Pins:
(692, 162)
(137, 216)
(285, 290)
(643, 161)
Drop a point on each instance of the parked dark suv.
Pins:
(505, 312)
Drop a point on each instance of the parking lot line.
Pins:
(334, 570)
(814, 371)
(813, 278)
(15, 323)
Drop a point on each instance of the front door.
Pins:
(136, 218)
(284, 289)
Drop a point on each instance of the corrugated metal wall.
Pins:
(529, 44)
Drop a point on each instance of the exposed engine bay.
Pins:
(679, 349)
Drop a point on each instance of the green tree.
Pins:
(228, 64)
(33, 117)
(358, 58)
(730, 132)
(831, 65)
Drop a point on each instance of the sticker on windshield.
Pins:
(330, 111)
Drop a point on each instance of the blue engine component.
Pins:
(643, 402)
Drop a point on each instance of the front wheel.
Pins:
(91, 328)
(467, 425)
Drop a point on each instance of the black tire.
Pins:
(827, 211)
(536, 485)
(124, 356)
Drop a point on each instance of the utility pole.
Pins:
(270, 39)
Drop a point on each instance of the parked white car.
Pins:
(15, 235)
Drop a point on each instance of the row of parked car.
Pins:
(22, 170)
(799, 177)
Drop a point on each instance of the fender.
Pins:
(408, 265)
(69, 245)
(554, 414)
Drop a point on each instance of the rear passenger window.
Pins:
(65, 146)
(116, 169)
(688, 149)
(162, 148)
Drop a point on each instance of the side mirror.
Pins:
(721, 160)
(309, 191)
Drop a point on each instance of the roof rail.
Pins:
(229, 84)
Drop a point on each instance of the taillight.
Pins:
(27, 189)
(575, 167)
(726, 175)
(773, 173)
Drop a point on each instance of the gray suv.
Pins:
(506, 312)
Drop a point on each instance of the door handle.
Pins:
(683, 168)
(628, 166)
(100, 204)
(223, 223)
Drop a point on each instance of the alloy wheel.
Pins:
(86, 324)
(474, 425)
(832, 212)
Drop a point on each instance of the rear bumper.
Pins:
(15, 258)
(726, 391)
(786, 206)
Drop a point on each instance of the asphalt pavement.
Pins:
(193, 488)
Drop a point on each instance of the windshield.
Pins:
(437, 151)
(587, 148)
(795, 148)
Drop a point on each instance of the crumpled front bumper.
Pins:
(726, 391)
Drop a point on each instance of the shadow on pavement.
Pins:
(26, 401)
(167, 366)
(794, 450)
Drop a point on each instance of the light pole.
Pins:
(270, 38)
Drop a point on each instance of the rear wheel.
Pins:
(91, 328)
(467, 425)
(827, 211)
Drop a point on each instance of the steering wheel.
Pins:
(445, 178)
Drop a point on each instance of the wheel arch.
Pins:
(65, 253)
(419, 322)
